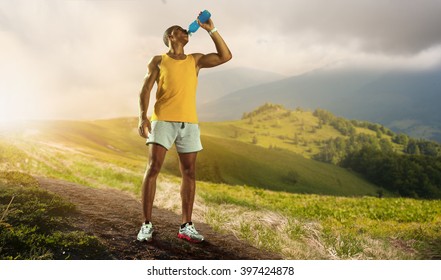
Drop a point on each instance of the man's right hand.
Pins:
(144, 127)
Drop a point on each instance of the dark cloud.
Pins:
(391, 27)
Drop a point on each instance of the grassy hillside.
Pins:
(34, 224)
(224, 160)
(87, 153)
(325, 227)
(402, 165)
(300, 226)
(273, 126)
(239, 163)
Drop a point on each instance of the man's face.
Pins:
(180, 34)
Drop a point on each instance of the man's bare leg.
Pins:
(156, 159)
(187, 164)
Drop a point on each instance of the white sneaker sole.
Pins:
(144, 239)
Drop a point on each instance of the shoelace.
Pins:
(192, 229)
(147, 229)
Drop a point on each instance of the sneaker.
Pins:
(189, 233)
(146, 232)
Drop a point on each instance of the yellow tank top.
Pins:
(176, 93)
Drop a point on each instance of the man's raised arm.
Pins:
(223, 52)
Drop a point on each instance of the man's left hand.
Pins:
(208, 25)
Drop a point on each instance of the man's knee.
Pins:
(189, 173)
(153, 169)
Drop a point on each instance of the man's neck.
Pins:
(176, 52)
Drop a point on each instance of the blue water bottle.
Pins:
(194, 26)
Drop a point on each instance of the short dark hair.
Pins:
(167, 33)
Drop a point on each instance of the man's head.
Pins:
(175, 33)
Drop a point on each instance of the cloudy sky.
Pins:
(86, 59)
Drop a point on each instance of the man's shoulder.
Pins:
(197, 55)
(155, 60)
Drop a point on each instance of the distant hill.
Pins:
(214, 85)
(299, 131)
(404, 165)
(407, 101)
(54, 146)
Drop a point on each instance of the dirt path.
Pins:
(114, 217)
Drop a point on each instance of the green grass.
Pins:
(34, 224)
(92, 152)
(272, 201)
(72, 162)
(365, 228)
(237, 163)
(279, 128)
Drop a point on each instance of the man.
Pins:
(174, 120)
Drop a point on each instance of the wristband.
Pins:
(212, 31)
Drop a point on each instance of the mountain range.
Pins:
(214, 85)
(404, 100)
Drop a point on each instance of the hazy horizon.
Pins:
(74, 59)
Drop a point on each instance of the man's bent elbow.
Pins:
(230, 56)
(227, 57)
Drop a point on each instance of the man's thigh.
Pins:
(189, 139)
(163, 133)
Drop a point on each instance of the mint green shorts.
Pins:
(185, 136)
